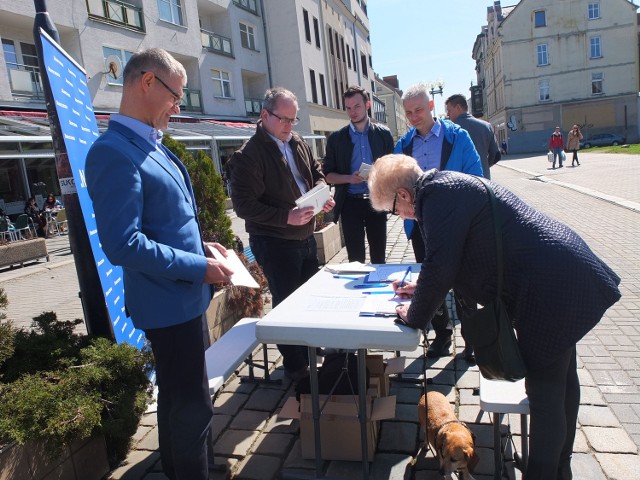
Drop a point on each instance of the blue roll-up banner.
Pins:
(79, 128)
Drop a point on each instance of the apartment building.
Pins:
(232, 50)
(548, 63)
(388, 90)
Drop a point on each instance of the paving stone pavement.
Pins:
(600, 200)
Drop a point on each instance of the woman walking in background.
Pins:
(573, 143)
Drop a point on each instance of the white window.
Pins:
(543, 54)
(221, 83)
(597, 83)
(595, 47)
(124, 57)
(247, 36)
(543, 91)
(171, 11)
(594, 11)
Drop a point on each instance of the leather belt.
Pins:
(364, 196)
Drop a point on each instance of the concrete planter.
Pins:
(84, 460)
(220, 318)
(17, 253)
(329, 241)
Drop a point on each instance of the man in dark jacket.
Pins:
(273, 169)
(350, 152)
(481, 132)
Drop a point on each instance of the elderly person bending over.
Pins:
(555, 288)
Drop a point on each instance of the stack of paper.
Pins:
(381, 305)
(316, 198)
(351, 267)
(241, 276)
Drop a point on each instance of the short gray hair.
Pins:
(389, 173)
(418, 90)
(154, 60)
(272, 96)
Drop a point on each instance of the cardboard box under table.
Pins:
(340, 432)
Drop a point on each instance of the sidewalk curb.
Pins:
(10, 275)
(621, 202)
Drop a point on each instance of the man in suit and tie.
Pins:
(147, 222)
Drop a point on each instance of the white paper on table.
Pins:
(328, 303)
(241, 276)
(351, 267)
(316, 198)
(381, 305)
(389, 273)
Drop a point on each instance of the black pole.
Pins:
(93, 303)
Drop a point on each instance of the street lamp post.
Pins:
(436, 87)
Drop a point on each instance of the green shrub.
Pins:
(89, 386)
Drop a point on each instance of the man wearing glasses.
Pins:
(350, 151)
(273, 169)
(147, 222)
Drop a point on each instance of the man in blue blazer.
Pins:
(147, 221)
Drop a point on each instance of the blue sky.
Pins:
(423, 40)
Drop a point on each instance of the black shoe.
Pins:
(468, 355)
(440, 347)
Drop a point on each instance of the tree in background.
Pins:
(208, 190)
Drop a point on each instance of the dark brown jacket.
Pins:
(263, 189)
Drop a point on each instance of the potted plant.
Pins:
(64, 395)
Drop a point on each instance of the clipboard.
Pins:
(381, 305)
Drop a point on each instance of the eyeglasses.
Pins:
(283, 120)
(178, 98)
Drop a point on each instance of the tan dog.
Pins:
(451, 439)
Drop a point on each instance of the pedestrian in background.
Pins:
(481, 132)
(440, 144)
(573, 143)
(556, 146)
(147, 222)
(555, 290)
(359, 143)
(268, 173)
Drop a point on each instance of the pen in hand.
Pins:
(405, 277)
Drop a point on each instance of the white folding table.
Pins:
(324, 312)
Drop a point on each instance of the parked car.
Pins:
(602, 140)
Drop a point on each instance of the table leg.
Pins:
(315, 408)
(497, 447)
(524, 442)
(362, 393)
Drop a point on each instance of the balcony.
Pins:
(253, 106)
(191, 100)
(116, 12)
(216, 43)
(248, 5)
(24, 81)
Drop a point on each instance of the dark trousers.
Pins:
(287, 264)
(440, 322)
(184, 404)
(575, 157)
(358, 217)
(557, 152)
(554, 399)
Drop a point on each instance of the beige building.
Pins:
(388, 90)
(547, 63)
(232, 50)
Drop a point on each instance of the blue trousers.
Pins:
(184, 404)
(287, 264)
(557, 152)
